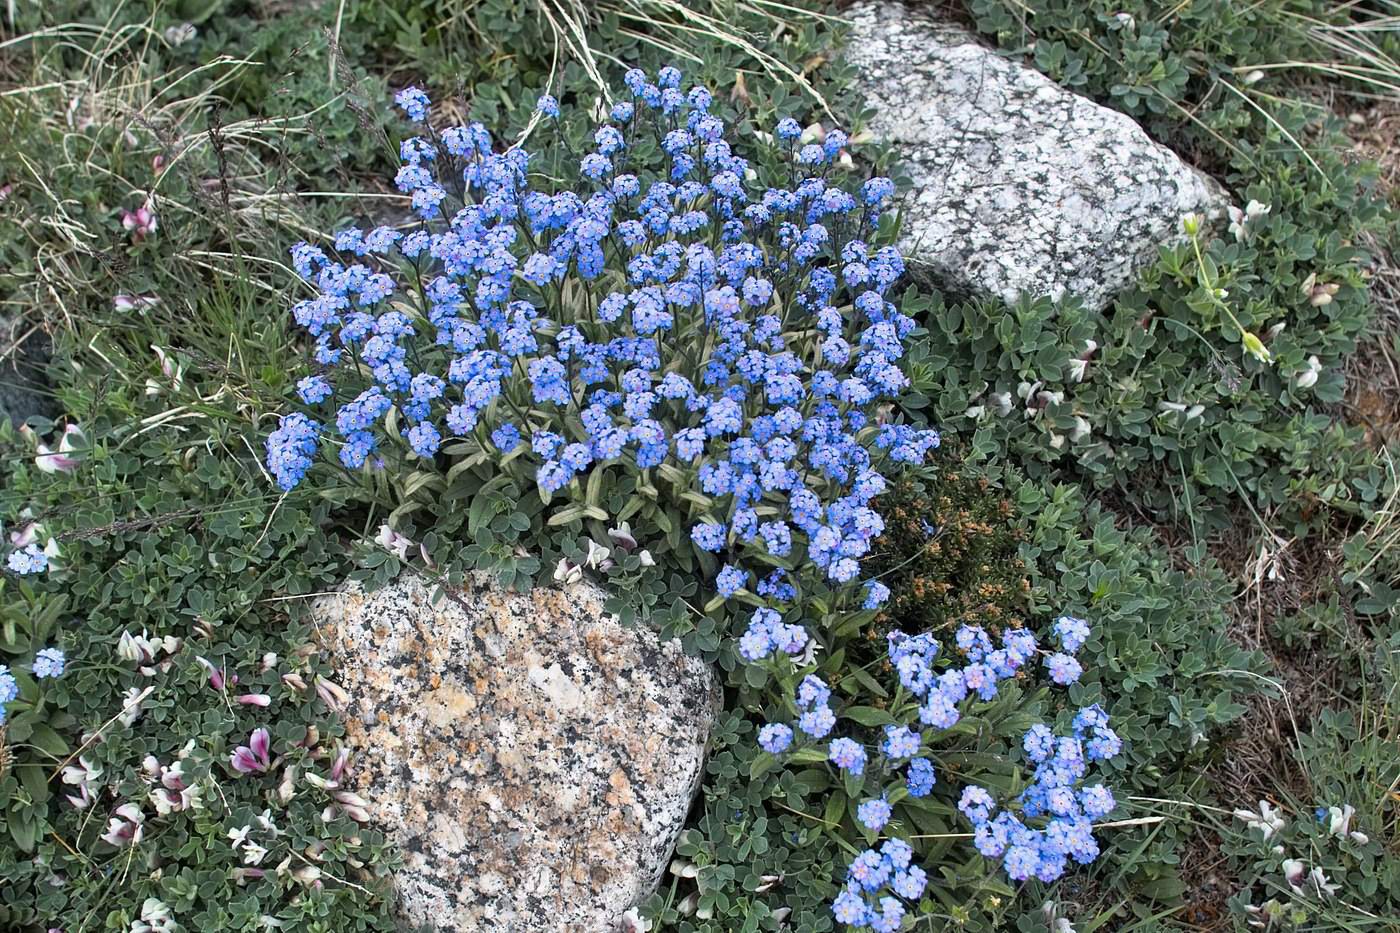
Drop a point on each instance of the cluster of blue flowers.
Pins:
(940, 689)
(1055, 793)
(49, 662)
(9, 690)
(660, 316)
(28, 559)
(863, 903)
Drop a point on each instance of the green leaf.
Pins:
(868, 715)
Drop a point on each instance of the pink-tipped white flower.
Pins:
(25, 536)
(134, 302)
(254, 699)
(342, 757)
(216, 675)
(126, 827)
(1293, 872)
(84, 776)
(567, 572)
(176, 792)
(390, 540)
(141, 222)
(173, 372)
(255, 757)
(352, 805)
(622, 536)
(64, 459)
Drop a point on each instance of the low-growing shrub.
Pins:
(949, 555)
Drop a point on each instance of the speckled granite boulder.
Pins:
(532, 758)
(1019, 185)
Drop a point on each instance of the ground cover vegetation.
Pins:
(1200, 472)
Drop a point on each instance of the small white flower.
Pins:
(598, 555)
(1308, 377)
(237, 837)
(155, 918)
(266, 822)
(253, 854)
(1237, 229)
(632, 922)
(1267, 820)
(179, 34)
(85, 773)
(1320, 883)
(1081, 429)
(567, 572)
(390, 540)
(136, 648)
(131, 705)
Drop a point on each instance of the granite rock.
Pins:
(532, 758)
(24, 354)
(1020, 186)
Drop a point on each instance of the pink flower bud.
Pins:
(216, 676)
(338, 768)
(253, 758)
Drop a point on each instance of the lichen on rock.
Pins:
(532, 758)
(1019, 186)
